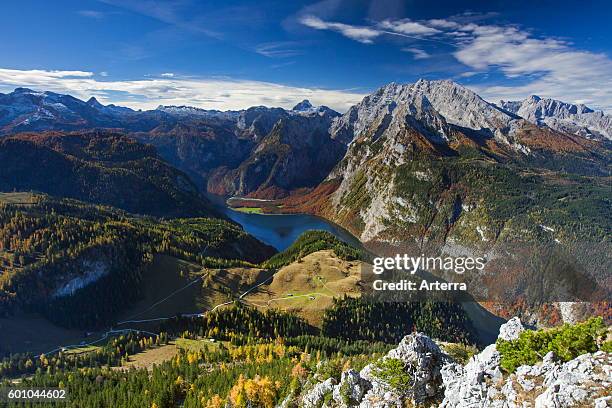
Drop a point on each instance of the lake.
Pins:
(281, 230)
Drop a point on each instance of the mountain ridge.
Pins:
(577, 119)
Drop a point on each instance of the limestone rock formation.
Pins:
(438, 381)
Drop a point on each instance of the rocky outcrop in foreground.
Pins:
(435, 380)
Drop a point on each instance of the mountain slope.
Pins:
(80, 264)
(104, 168)
(197, 141)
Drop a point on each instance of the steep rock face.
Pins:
(303, 106)
(457, 104)
(463, 107)
(398, 131)
(387, 134)
(258, 121)
(564, 117)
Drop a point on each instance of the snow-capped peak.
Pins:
(26, 91)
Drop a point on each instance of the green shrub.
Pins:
(567, 342)
(461, 353)
(345, 394)
(330, 368)
(393, 372)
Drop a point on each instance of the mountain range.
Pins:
(269, 152)
(423, 168)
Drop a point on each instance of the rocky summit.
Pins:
(436, 380)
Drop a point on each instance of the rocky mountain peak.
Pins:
(462, 106)
(21, 90)
(538, 108)
(305, 105)
(433, 103)
(93, 102)
(534, 98)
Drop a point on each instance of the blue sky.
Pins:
(235, 54)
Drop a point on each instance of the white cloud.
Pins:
(417, 53)
(167, 74)
(408, 27)
(104, 73)
(207, 93)
(404, 28)
(441, 23)
(20, 77)
(357, 33)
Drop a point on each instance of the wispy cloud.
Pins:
(168, 74)
(281, 49)
(208, 93)
(282, 65)
(362, 34)
(367, 34)
(417, 53)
